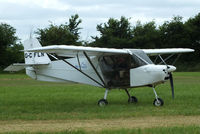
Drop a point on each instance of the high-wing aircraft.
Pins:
(103, 67)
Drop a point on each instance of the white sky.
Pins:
(28, 15)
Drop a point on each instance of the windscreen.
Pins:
(137, 61)
(142, 56)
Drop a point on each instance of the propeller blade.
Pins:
(172, 84)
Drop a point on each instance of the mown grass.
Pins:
(27, 99)
(157, 130)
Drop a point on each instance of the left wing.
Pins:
(64, 50)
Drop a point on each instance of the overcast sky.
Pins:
(27, 15)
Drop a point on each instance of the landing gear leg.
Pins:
(103, 102)
(131, 99)
(158, 101)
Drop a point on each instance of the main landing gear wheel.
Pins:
(102, 103)
(158, 102)
(132, 99)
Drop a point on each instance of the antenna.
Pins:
(31, 32)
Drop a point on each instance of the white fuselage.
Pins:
(59, 71)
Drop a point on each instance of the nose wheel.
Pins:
(102, 103)
(158, 102)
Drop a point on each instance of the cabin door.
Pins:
(139, 77)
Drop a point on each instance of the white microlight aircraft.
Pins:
(102, 67)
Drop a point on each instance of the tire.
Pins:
(102, 103)
(158, 103)
(132, 99)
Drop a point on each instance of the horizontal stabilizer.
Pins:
(20, 66)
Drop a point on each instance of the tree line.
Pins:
(115, 33)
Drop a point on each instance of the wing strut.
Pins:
(164, 60)
(94, 68)
(60, 58)
(78, 61)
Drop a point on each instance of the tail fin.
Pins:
(34, 57)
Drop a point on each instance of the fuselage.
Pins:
(126, 76)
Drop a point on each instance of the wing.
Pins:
(167, 51)
(72, 51)
(63, 50)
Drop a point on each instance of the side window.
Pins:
(122, 62)
(108, 60)
(115, 69)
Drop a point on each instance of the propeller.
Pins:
(170, 69)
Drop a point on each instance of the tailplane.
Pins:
(32, 59)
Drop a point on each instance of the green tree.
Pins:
(62, 34)
(7, 36)
(9, 49)
(14, 55)
(115, 33)
(145, 36)
(120, 34)
(193, 30)
(173, 34)
(74, 22)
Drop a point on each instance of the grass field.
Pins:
(25, 101)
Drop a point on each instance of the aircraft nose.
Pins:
(171, 68)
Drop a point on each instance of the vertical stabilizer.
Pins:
(34, 57)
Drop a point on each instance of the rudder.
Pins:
(34, 57)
